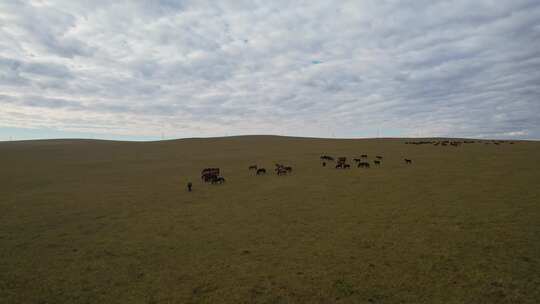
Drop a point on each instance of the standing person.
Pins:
(189, 185)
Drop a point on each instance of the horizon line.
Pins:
(263, 135)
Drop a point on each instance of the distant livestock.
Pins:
(408, 161)
(218, 180)
(343, 166)
(261, 171)
(363, 165)
(282, 169)
(377, 162)
(208, 174)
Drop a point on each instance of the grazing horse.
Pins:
(342, 166)
(408, 161)
(377, 162)
(209, 173)
(281, 171)
(253, 167)
(326, 157)
(261, 171)
(363, 165)
(208, 177)
(218, 180)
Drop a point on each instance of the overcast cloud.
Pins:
(307, 68)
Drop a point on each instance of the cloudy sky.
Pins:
(152, 69)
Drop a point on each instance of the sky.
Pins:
(147, 70)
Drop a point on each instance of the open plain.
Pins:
(84, 221)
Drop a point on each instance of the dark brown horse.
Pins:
(281, 171)
(363, 165)
(208, 174)
(208, 177)
(218, 180)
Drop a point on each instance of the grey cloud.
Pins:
(201, 68)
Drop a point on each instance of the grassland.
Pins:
(86, 221)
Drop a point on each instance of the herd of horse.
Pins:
(361, 162)
(456, 143)
(212, 175)
(280, 169)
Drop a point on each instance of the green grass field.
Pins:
(85, 221)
